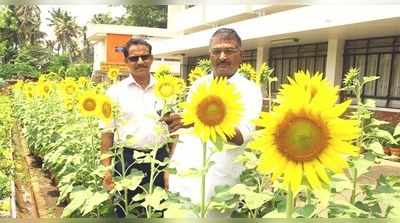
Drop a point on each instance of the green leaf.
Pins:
(306, 211)
(255, 200)
(385, 135)
(130, 182)
(154, 199)
(367, 79)
(340, 182)
(78, 198)
(362, 165)
(249, 159)
(176, 210)
(219, 144)
(397, 130)
(275, 214)
(376, 147)
(191, 172)
(94, 201)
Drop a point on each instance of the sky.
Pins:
(83, 14)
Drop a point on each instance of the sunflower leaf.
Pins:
(219, 144)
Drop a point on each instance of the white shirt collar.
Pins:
(130, 80)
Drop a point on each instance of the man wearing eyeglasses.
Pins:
(226, 56)
(137, 128)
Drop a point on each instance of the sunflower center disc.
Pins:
(301, 139)
(211, 110)
(89, 105)
(166, 90)
(106, 108)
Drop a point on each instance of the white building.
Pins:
(325, 38)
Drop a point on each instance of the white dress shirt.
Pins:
(138, 126)
(188, 152)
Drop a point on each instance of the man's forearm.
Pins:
(237, 139)
(106, 144)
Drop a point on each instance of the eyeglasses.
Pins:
(136, 58)
(227, 51)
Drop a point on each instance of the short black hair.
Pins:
(135, 41)
(227, 33)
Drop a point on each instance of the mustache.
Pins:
(223, 63)
(141, 66)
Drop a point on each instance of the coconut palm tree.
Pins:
(66, 30)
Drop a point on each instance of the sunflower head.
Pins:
(215, 109)
(113, 74)
(105, 109)
(162, 70)
(68, 86)
(304, 136)
(45, 88)
(69, 103)
(169, 87)
(18, 86)
(249, 72)
(83, 81)
(196, 73)
(88, 103)
(309, 88)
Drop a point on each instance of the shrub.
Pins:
(18, 70)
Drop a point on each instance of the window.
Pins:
(287, 60)
(250, 57)
(381, 57)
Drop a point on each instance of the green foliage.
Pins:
(136, 15)
(8, 71)
(58, 64)
(69, 146)
(104, 18)
(78, 70)
(35, 56)
(6, 164)
(143, 15)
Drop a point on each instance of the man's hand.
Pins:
(174, 121)
(107, 181)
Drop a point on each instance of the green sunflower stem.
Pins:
(203, 183)
(289, 203)
(353, 192)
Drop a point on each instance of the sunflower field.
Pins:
(6, 164)
(311, 156)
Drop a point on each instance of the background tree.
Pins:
(67, 32)
(136, 15)
(8, 34)
(28, 22)
(150, 16)
(104, 18)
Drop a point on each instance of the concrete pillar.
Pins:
(262, 56)
(334, 61)
(184, 63)
(99, 54)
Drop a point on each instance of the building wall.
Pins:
(114, 41)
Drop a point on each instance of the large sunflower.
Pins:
(88, 103)
(305, 135)
(215, 109)
(168, 87)
(104, 109)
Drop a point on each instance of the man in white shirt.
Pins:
(137, 128)
(226, 56)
